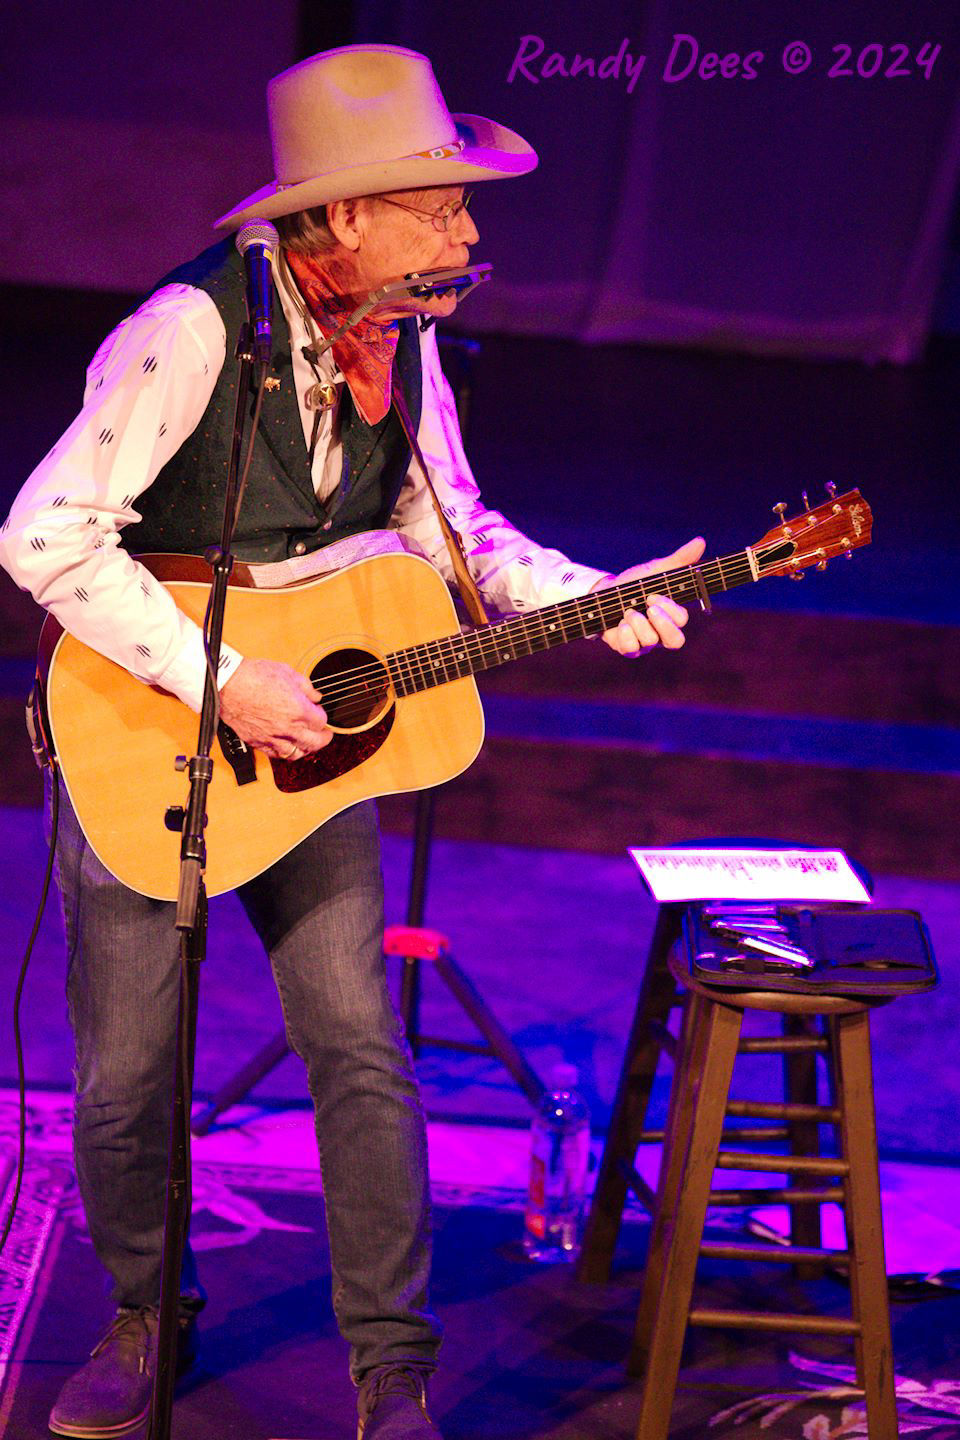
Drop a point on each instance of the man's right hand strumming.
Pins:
(274, 708)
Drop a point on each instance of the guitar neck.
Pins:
(424, 666)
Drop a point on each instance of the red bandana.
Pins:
(365, 354)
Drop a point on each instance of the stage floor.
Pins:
(529, 1352)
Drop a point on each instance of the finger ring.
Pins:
(292, 754)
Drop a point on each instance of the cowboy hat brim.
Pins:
(490, 152)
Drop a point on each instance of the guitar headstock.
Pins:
(814, 536)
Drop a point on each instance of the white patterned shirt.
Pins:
(147, 388)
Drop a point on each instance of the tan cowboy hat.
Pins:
(369, 118)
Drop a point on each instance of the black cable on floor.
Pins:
(21, 979)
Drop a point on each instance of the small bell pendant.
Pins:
(321, 396)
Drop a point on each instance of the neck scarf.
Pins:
(366, 353)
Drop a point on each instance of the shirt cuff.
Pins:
(185, 676)
(576, 580)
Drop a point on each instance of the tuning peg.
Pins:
(797, 574)
(780, 510)
(831, 489)
(806, 499)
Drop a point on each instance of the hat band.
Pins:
(441, 152)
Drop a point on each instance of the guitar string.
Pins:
(347, 684)
(472, 650)
(734, 568)
(354, 682)
(496, 635)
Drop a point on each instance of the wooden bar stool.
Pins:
(708, 1046)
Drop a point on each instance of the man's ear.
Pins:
(344, 220)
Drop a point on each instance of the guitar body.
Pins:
(117, 739)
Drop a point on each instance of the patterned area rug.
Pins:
(529, 1353)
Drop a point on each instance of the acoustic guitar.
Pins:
(381, 641)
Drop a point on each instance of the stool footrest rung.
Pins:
(772, 1320)
(782, 1044)
(766, 1110)
(749, 1198)
(730, 1137)
(775, 1254)
(782, 1164)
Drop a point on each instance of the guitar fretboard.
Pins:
(435, 662)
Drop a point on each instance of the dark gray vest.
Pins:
(281, 515)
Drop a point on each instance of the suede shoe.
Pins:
(392, 1405)
(111, 1394)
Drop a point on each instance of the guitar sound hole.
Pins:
(354, 688)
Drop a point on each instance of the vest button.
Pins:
(299, 548)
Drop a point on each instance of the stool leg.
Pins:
(657, 994)
(684, 1229)
(691, 1053)
(800, 1087)
(864, 1222)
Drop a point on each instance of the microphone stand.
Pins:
(191, 918)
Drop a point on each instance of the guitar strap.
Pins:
(465, 582)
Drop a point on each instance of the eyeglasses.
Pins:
(441, 219)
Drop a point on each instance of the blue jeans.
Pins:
(319, 914)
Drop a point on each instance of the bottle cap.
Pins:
(564, 1076)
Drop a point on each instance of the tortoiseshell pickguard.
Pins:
(344, 753)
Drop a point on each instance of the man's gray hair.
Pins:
(306, 231)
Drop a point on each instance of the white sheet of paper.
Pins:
(714, 874)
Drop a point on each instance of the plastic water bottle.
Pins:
(559, 1155)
